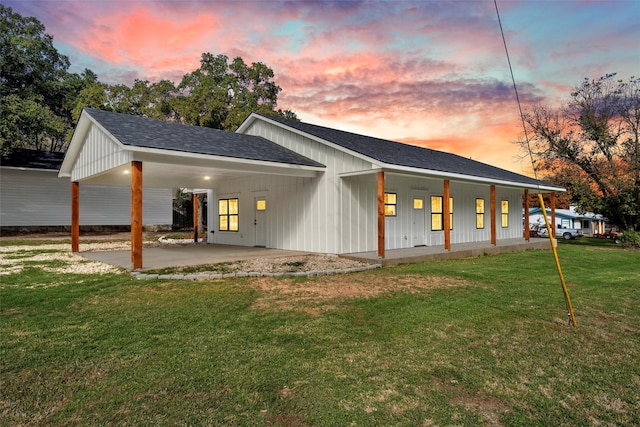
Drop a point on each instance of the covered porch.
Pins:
(457, 251)
(116, 149)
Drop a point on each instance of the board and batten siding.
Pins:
(99, 154)
(39, 198)
(335, 214)
(412, 227)
(303, 213)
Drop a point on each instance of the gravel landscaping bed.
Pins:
(58, 258)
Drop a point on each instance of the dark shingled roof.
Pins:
(33, 159)
(395, 153)
(139, 131)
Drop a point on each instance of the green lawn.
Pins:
(481, 341)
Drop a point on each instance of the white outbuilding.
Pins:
(32, 197)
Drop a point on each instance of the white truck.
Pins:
(565, 233)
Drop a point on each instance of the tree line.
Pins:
(40, 100)
(589, 145)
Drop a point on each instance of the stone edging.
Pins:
(209, 276)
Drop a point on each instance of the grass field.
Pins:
(481, 341)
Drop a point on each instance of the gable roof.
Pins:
(567, 213)
(137, 131)
(32, 159)
(412, 156)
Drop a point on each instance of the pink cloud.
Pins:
(139, 37)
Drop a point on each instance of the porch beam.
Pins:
(492, 204)
(447, 215)
(552, 197)
(381, 229)
(75, 216)
(136, 214)
(525, 206)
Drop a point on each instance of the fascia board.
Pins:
(77, 142)
(247, 122)
(22, 168)
(158, 155)
(75, 146)
(467, 178)
(253, 117)
(360, 172)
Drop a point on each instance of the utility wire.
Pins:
(515, 89)
(567, 299)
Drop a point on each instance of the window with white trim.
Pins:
(228, 214)
(479, 213)
(504, 213)
(390, 204)
(437, 213)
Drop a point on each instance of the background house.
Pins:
(589, 223)
(32, 197)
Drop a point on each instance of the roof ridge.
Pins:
(407, 155)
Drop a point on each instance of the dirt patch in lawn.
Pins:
(318, 294)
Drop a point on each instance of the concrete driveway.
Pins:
(185, 255)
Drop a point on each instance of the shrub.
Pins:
(630, 238)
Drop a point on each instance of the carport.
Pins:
(115, 149)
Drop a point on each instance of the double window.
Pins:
(504, 213)
(437, 213)
(390, 204)
(228, 214)
(479, 213)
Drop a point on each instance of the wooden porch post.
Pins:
(195, 202)
(75, 216)
(445, 212)
(492, 203)
(381, 214)
(552, 197)
(136, 214)
(525, 206)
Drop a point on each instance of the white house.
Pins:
(32, 196)
(286, 184)
(589, 223)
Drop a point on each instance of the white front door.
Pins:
(418, 218)
(260, 221)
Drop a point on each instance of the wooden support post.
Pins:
(136, 214)
(75, 216)
(446, 215)
(195, 202)
(381, 214)
(552, 197)
(525, 206)
(492, 203)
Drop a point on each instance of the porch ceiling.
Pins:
(196, 172)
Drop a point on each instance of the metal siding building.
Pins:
(34, 197)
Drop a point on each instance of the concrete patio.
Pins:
(202, 253)
(436, 253)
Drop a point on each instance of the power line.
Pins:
(567, 299)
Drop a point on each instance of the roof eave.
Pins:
(454, 176)
(160, 155)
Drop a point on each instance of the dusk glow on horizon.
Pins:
(429, 73)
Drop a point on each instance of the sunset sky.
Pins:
(424, 72)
